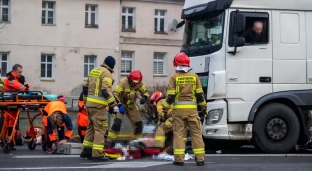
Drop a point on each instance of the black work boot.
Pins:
(178, 163)
(202, 163)
(86, 153)
(100, 159)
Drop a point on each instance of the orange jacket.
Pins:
(58, 106)
(82, 118)
(12, 83)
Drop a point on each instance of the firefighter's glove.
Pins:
(27, 86)
(121, 109)
(162, 120)
(143, 100)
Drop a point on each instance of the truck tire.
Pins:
(276, 128)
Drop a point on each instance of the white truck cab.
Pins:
(258, 86)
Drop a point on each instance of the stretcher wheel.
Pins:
(7, 148)
(32, 145)
(44, 146)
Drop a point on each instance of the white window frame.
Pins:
(126, 17)
(7, 61)
(127, 59)
(164, 60)
(9, 10)
(89, 15)
(46, 66)
(158, 16)
(46, 10)
(88, 63)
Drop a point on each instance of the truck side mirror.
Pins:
(180, 24)
(239, 41)
(240, 22)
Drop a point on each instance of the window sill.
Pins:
(5, 22)
(128, 30)
(124, 74)
(48, 24)
(91, 26)
(164, 75)
(160, 32)
(47, 79)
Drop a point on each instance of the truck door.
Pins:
(249, 70)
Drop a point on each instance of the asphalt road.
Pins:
(245, 158)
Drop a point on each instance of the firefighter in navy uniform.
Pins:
(125, 93)
(97, 96)
(184, 90)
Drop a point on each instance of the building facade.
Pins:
(58, 42)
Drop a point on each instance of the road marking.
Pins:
(207, 155)
(106, 166)
(46, 156)
(258, 155)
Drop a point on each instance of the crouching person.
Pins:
(164, 130)
(57, 119)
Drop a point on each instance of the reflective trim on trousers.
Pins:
(98, 147)
(199, 150)
(87, 143)
(179, 151)
(160, 138)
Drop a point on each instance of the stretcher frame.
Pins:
(19, 103)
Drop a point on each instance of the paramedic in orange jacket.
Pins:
(12, 83)
(45, 121)
(58, 116)
(82, 118)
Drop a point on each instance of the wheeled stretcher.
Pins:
(17, 101)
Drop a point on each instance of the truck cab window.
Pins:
(256, 28)
(204, 34)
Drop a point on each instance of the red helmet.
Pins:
(135, 76)
(181, 59)
(156, 96)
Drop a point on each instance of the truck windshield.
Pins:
(203, 34)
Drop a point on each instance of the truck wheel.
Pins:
(276, 129)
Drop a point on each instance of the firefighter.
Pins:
(82, 118)
(164, 120)
(126, 93)
(97, 96)
(12, 83)
(184, 91)
(58, 116)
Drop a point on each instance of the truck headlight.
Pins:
(214, 116)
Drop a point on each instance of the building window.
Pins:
(160, 21)
(91, 15)
(128, 18)
(47, 62)
(159, 64)
(89, 64)
(4, 10)
(4, 59)
(48, 12)
(126, 62)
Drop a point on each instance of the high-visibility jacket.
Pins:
(1, 86)
(58, 106)
(126, 94)
(184, 91)
(82, 118)
(12, 83)
(97, 88)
